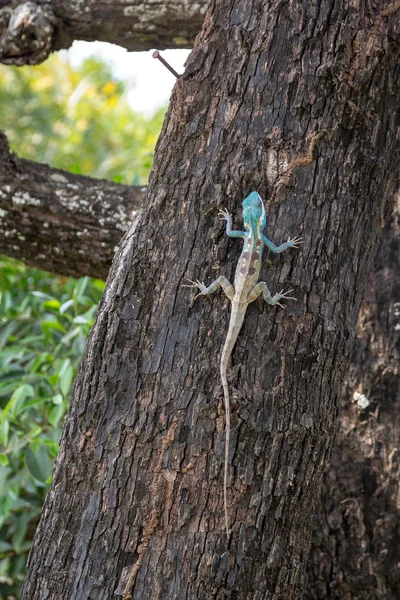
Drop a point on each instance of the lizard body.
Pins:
(245, 290)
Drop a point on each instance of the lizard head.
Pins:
(254, 211)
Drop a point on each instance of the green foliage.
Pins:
(44, 322)
(79, 121)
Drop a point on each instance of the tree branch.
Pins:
(30, 31)
(58, 221)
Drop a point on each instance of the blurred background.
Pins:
(94, 110)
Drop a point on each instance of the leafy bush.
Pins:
(44, 322)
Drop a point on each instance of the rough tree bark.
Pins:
(30, 31)
(143, 498)
(64, 223)
(355, 550)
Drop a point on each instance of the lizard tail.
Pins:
(233, 332)
(227, 429)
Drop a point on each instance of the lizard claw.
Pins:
(196, 284)
(190, 284)
(282, 296)
(224, 215)
(295, 242)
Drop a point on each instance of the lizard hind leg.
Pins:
(220, 282)
(261, 288)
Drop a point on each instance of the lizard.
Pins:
(245, 290)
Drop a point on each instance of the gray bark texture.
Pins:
(297, 101)
(355, 551)
(60, 222)
(30, 31)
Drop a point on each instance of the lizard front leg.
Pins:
(221, 282)
(261, 288)
(233, 233)
(294, 243)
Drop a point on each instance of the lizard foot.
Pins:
(295, 242)
(224, 215)
(281, 296)
(196, 284)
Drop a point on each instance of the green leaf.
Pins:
(12, 374)
(6, 389)
(80, 288)
(7, 331)
(42, 295)
(6, 301)
(3, 459)
(17, 399)
(5, 546)
(66, 377)
(4, 429)
(70, 335)
(4, 471)
(40, 361)
(35, 402)
(38, 463)
(35, 431)
(53, 379)
(57, 399)
(49, 325)
(65, 306)
(52, 304)
(30, 339)
(81, 320)
(56, 414)
(20, 526)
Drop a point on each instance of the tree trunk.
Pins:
(355, 550)
(278, 98)
(30, 31)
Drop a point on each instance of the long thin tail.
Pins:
(227, 439)
(235, 325)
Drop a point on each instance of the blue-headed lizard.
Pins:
(246, 289)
